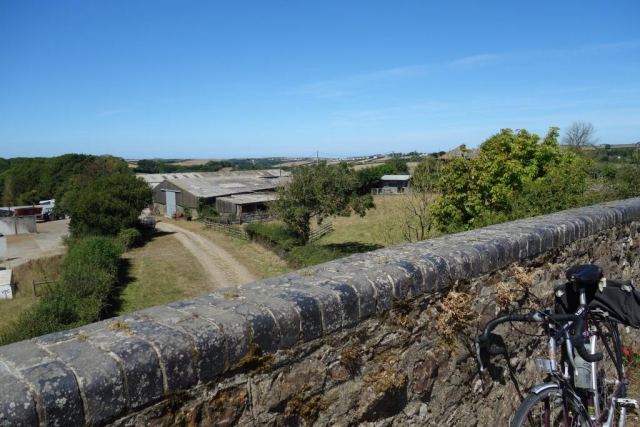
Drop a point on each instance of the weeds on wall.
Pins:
(455, 316)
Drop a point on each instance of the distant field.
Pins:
(366, 166)
(412, 166)
(195, 162)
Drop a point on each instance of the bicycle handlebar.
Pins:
(483, 344)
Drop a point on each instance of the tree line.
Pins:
(169, 166)
(104, 200)
(516, 174)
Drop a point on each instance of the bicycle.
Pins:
(586, 388)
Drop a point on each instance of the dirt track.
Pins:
(222, 268)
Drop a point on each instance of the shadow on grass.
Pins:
(350, 248)
(150, 234)
(313, 254)
(115, 303)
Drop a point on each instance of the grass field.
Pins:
(162, 271)
(157, 273)
(23, 275)
(367, 230)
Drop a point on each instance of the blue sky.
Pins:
(205, 79)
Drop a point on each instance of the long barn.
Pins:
(174, 195)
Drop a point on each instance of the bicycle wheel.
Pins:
(610, 368)
(545, 409)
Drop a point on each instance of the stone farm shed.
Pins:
(174, 195)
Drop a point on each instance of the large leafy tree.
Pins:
(319, 191)
(105, 204)
(512, 167)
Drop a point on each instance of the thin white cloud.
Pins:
(109, 113)
(347, 86)
(118, 111)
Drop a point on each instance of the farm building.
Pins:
(153, 179)
(393, 184)
(241, 204)
(174, 195)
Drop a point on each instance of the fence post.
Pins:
(33, 284)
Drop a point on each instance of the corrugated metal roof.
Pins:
(218, 186)
(244, 199)
(157, 177)
(395, 177)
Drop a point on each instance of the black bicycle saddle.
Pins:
(585, 275)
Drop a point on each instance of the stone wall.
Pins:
(383, 338)
(18, 225)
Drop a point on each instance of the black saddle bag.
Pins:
(618, 299)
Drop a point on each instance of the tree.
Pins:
(412, 219)
(8, 192)
(627, 180)
(105, 204)
(579, 135)
(317, 192)
(482, 190)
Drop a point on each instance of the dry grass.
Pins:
(260, 262)
(455, 316)
(512, 292)
(367, 166)
(161, 272)
(195, 162)
(367, 229)
(23, 276)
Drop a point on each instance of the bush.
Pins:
(129, 238)
(81, 295)
(277, 235)
(205, 210)
(95, 253)
(105, 205)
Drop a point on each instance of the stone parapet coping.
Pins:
(99, 372)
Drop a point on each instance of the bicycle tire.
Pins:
(532, 410)
(611, 367)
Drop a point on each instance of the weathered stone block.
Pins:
(237, 333)
(99, 377)
(58, 393)
(311, 316)
(348, 301)
(263, 326)
(284, 313)
(176, 351)
(208, 339)
(137, 358)
(17, 407)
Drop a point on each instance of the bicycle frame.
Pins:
(562, 378)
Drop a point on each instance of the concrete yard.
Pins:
(47, 242)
